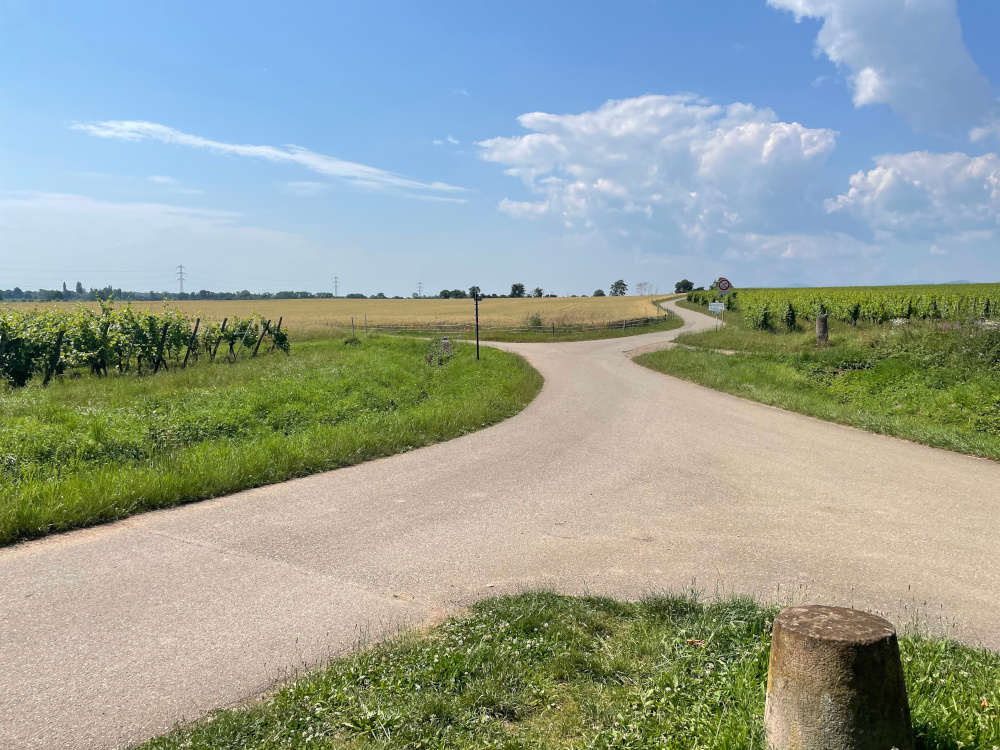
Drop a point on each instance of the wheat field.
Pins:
(316, 316)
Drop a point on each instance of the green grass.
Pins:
(85, 451)
(545, 335)
(933, 384)
(546, 671)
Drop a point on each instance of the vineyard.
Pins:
(775, 308)
(49, 342)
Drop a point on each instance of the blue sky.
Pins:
(562, 144)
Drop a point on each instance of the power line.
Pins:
(420, 289)
(180, 277)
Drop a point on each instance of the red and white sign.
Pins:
(724, 285)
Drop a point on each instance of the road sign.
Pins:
(724, 286)
(716, 307)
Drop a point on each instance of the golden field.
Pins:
(314, 316)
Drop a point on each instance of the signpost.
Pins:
(715, 308)
(723, 289)
(476, 297)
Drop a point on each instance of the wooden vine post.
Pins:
(159, 350)
(194, 335)
(50, 370)
(263, 333)
(277, 330)
(835, 682)
(218, 341)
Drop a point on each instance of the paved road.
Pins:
(616, 480)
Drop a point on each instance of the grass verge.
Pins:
(547, 671)
(930, 383)
(86, 451)
(546, 336)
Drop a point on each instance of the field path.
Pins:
(616, 480)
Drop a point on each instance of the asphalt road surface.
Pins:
(616, 480)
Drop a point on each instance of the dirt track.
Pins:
(615, 480)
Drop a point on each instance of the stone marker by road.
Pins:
(835, 682)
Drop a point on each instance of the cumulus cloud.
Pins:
(925, 195)
(357, 174)
(908, 54)
(677, 165)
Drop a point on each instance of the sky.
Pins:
(273, 146)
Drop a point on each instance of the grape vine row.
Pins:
(47, 343)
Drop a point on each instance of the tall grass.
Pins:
(547, 671)
(88, 450)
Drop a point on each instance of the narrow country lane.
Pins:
(616, 480)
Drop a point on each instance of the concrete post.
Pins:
(835, 682)
(822, 329)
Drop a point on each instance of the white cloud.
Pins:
(357, 174)
(116, 240)
(174, 185)
(304, 187)
(452, 141)
(438, 142)
(678, 166)
(925, 195)
(812, 247)
(908, 54)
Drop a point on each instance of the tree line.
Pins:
(16, 294)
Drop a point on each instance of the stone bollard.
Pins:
(822, 329)
(835, 682)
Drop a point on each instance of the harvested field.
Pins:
(313, 317)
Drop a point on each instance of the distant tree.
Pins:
(517, 290)
(458, 294)
(415, 296)
(18, 292)
(356, 295)
(699, 289)
(398, 297)
(643, 288)
(444, 294)
(323, 295)
(619, 288)
(537, 292)
(715, 284)
(475, 291)
(599, 293)
(683, 286)
(50, 295)
(79, 288)
(380, 295)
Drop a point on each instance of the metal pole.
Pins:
(477, 326)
